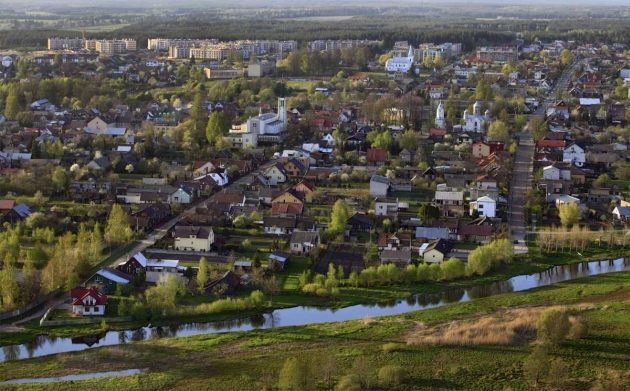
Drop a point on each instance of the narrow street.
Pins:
(522, 176)
(523, 169)
(160, 232)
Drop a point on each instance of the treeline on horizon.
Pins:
(470, 33)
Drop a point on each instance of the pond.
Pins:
(298, 316)
(82, 376)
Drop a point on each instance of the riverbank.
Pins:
(531, 263)
(252, 360)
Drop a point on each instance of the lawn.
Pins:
(290, 275)
(252, 360)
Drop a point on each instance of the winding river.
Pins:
(298, 316)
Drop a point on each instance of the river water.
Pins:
(298, 316)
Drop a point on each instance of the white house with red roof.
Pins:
(88, 302)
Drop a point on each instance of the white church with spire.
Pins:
(400, 64)
(267, 127)
(475, 122)
(440, 120)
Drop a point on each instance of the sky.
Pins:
(293, 3)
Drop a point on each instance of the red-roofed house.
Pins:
(287, 208)
(88, 301)
(377, 155)
(546, 143)
(6, 205)
(438, 132)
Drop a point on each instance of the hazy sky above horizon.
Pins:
(296, 3)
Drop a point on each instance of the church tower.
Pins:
(440, 121)
(282, 111)
(477, 108)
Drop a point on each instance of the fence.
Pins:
(34, 304)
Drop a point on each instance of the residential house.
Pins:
(149, 216)
(574, 154)
(193, 238)
(437, 251)
(12, 212)
(295, 168)
(88, 302)
(134, 265)
(482, 149)
(278, 259)
(399, 257)
(484, 206)
(386, 207)
(450, 201)
(379, 186)
(408, 157)
(621, 213)
(275, 225)
(377, 156)
(287, 209)
(360, 222)
(303, 242)
(99, 164)
(553, 172)
(480, 230)
(388, 241)
(307, 189)
(227, 284)
(107, 280)
(432, 233)
(290, 196)
(154, 194)
(276, 174)
(603, 154)
(180, 196)
(161, 269)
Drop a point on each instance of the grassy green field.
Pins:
(252, 360)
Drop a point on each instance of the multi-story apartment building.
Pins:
(65, 43)
(443, 51)
(212, 49)
(501, 54)
(111, 46)
(340, 44)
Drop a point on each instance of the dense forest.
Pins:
(416, 29)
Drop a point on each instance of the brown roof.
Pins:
(377, 155)
(185, 231)
(551, 143)
(228, 197)
(286, 208)
(6, 205)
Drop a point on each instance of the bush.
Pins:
(483, 258)
(578, 330)
(536, 365)
(254, 300)
(139, 312)
(391, 347)
(349, 383)
(391, 375)
(553, 326)
(452, 269)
